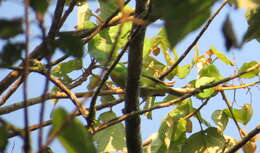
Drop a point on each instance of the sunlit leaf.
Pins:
(11, 52)
(10, 28)
(206, 92)
(209, 140)
(100, 48)
(248, 4)
(74, 136)
(211, 71)
(242, 115)
(183, 71)
(221, 56)
(149, 102)
(83, 15)
(220, 118)
(172, 132)
(112, 138)
(251, 74)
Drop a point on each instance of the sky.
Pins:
(212, 37)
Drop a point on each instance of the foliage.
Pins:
(95, 53)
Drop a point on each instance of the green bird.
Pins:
(149, 86)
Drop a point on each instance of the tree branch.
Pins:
(57, 95)
(135, 60)
(172, 102)
(247, 138)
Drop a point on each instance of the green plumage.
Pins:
(149, 86)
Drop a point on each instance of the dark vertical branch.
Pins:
(27, 144)
(133, 136)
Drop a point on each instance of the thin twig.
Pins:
(224, 97)
(194, 42)
(84, 76)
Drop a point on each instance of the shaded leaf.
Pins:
(39, 5)
(10, 53)
(107, 8)
(221, 56)
(251, 74)
(210, 140)
(221, 119)
(74, 136)
(10, 28)
(242, 115)
(180, 21)
(253, 31)
(112, 138)
(3, 137)
(229, 34)
(93, 82)
(70, 45)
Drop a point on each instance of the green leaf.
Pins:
(253, 31)
(152, 67)
(107, 8)
(182, 17)
(3, 137)
(206, 92)
(93, 82)
(63, 69)
(251, 74)
(124, 34)
(83, 15)
(149, 102)
(221, 119)
(11, 53)
(242, 115)
(73, 135)
(111, 139)
(40, 5)
(70, 45)
(10, 28)
(172, 132)
(183, 71)
(221, 56)
(100, 48)
(210, 71)
(210, 140)
(69, 66)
